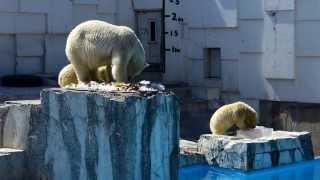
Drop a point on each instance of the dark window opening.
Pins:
(152, 31)
(213, 62)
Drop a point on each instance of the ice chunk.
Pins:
(145, 83)
(147, 89)
(150, 86)
(258, 132)
(159, 87)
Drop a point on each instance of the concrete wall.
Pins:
(270, 49)
(33, 32)
(285, 68)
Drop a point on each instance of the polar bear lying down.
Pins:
(94, 43)
(237, 114)
(67, 76)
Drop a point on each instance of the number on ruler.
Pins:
(174, 16)
(180, 19)
(173, 49)
(176, 2)
(174, 33)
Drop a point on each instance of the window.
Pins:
(152, 31)
(213, 62)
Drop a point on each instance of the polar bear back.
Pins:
(94, 41)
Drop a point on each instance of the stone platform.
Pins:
(118, 135)
(87, 134)
(189, 154)
(251, 154)
(12, 164)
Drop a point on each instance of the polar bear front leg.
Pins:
(83, 72)
(119, 67)
(119, 73)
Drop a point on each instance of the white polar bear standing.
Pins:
(95, 43)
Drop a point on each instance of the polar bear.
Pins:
(67, 76)
(95, 43)
(239, 114)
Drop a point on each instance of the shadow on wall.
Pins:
(220, 11)
(200, 14)
(291, 116)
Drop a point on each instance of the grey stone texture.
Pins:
(22, 127)
(15, 122)
(12, 163)
(252, 154)
(93, 135)
(189, 154)
(96, 135)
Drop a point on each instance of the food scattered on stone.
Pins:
(142, 86)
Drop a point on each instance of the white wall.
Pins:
(270, 48)
(33, 32)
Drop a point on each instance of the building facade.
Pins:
(268, 49)
(225, 50)
(33, 33)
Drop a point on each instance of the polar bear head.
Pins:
(246, 116)
(137, 63)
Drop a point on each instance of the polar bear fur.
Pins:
(239, 114)
(95, 43)
(67, 76)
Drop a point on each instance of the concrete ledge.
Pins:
(12, 164)
(22, 127)
(15, 121)
(251, 154)
(189, 154)
(104, 135)
(94, 134)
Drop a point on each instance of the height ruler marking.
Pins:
(172, 33)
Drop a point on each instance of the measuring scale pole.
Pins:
(172, 33)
